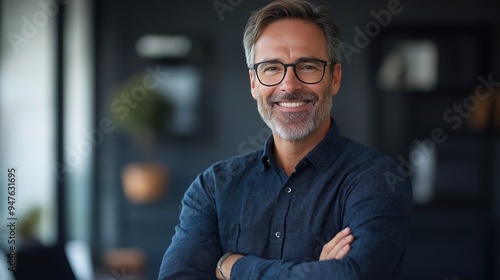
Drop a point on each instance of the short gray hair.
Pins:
(322, 16)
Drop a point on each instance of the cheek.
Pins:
(322, 90)
(262, 93)
(326, 88)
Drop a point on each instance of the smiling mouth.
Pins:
(292, 104)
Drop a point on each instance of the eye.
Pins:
(308, 66)
(270, 68)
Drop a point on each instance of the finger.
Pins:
(342, 243)
(328, 247)
(343, 252)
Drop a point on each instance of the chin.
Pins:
(293, 131)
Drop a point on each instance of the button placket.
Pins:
(280, 214)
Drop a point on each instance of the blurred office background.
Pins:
(109, 109)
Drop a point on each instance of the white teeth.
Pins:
(291, 104)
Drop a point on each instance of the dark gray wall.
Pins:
(229, 114)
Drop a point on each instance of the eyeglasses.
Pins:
(308, 71)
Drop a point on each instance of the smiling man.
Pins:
(311, 204)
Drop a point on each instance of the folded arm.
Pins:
(378, 217)
(195, 247)
(336, 249)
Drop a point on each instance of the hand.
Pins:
(227, 265)
(338, 247)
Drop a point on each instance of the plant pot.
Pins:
(145, 182)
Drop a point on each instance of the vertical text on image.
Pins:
(11, 217)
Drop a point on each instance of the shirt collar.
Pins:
(268, 153)
(321, 156)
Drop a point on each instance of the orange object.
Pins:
(145, 182)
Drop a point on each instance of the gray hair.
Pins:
(322, 16)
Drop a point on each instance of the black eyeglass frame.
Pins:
(286, 65)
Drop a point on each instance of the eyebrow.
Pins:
(299, 59)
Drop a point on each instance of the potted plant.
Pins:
(142, 112)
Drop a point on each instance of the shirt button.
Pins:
(288, 190)
(278, 234)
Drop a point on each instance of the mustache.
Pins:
(285, 96)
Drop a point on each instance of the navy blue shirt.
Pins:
(248, 205)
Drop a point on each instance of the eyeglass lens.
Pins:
(307, 71)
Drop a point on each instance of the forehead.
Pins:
(289, 40)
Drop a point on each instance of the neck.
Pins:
(289, 153)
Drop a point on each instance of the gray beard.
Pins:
(295, 126)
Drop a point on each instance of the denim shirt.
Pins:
(248, 205)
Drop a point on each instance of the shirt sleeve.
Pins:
(195, 248)
(378, 209)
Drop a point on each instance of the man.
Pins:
(310, 204)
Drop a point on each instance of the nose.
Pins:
(290, 82)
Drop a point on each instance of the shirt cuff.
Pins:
(244, 266)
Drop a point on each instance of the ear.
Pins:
(252, 83)
(336, 77)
